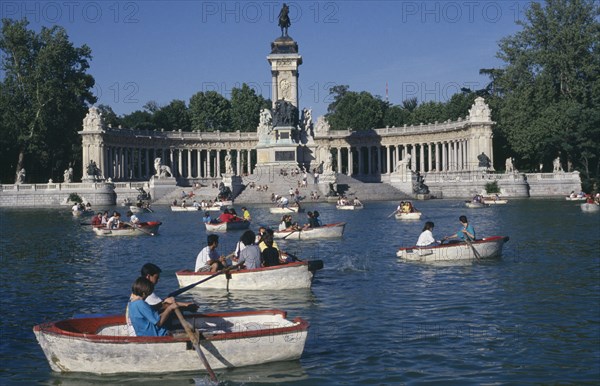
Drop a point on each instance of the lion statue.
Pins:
(162, 170)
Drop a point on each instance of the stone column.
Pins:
(422, 157)
(429, 157)
(339, 160)
(386, 160)
(189, 163)
(444, 157)
(218, 167)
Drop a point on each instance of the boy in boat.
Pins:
(97, 220)
(133, 219)
(208, 259)
(145, 320)
(114, 222)
(466, 232)
(152, 272)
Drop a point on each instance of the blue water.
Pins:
(531, 317)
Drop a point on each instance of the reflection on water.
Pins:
(529, 317)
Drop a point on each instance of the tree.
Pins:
(174, 116)
(210, 111)
(358, 111)
(138, 120)
(109, 116)
(245, 108)
(551, 84)
(396, 116)
(43, 97)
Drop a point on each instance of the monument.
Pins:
(279, 132)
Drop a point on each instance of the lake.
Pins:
(531, 317)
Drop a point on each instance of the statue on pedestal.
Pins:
(509, 165)
(419, 186)
(403, 165)
(93, 119)
(285, 114)
(228, 166)
(68, 175)
(556, 166)
(93, 171)
(284, 19)
(20, 177)
(484, 160)
(162, 171)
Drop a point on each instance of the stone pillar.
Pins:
(444, 157)
(218, 164)
(339, 160)
(189, 163)
(422, 157)
(386, 160)
(429, 157)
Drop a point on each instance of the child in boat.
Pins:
(465, 232)
(144, 319)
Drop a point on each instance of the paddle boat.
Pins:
(287, 209)
(579, 197)
(323, 232)
(416, 215)
(296, 275)
(101, 344)
(144, 228)
(487, 248)
(349, 207)
(227, 226)
(590, 207)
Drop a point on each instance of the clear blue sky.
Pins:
(165, 50)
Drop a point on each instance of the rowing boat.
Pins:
(408, 216)
(323, 232)
(144, 228)
(487, 248)
(101, 344)
(295, 275)
(495, 201)
(575, 198)
(184, 208)
(227, 226)
(590, 208)
(476, 205)
(289, 209)
(349, 207)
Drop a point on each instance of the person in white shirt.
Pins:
(208, 259)
(426, 236)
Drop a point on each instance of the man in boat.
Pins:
(226, 216)
(133, 219)
(114, 221)
(466, 231)
(283, 202)
(208, 259)
(206, 219)
(146, 321)
(97, 220)
(356, 202)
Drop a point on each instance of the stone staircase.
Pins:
(281, 184)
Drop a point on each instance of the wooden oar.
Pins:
(477, 255)
(393, 213)
(289, 234)
(194, 339)
(313, 265)
(138, 228)
(189, 287)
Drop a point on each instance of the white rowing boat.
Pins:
(576, 198)
(101, 345)
(590, 208)
(495, 201)
(349, 207)
(296, 275)
(408, 216)
(144, 228)
(323, 232)
(476, 205)
(227, 226)
(184, 208)
(487, 248)
(289, 209)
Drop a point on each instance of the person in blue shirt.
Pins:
(206, 219)
(466, 232)
(145, 320)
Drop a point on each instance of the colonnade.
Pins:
(377, 159)
(137, 163)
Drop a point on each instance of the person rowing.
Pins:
(466, 232)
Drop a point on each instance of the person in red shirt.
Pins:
(97, 219)
(225, 216)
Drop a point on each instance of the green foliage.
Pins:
(551, 85)
(74, 197)
(43, 98)
(358, 111)
(210, 111)
(492, 187)
(174, 116)
(245, 109)
(139, 120)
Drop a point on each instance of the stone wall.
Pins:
(553, 184)
(46, 195)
